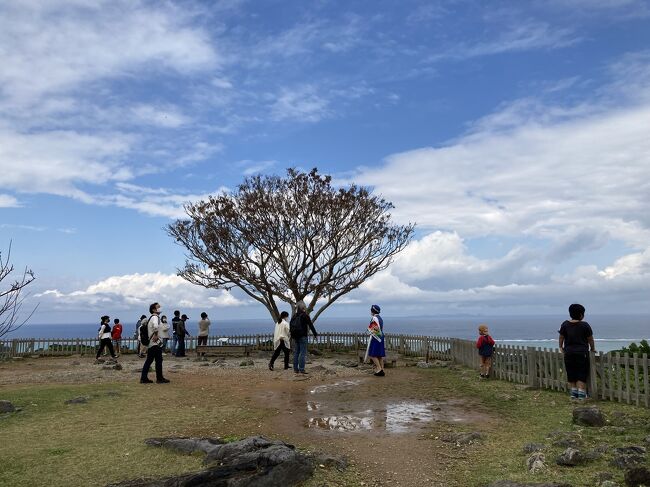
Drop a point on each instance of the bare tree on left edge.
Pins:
(12, 295)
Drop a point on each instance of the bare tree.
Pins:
(12, 297)
(289, 239)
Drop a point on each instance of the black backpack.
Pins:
(294, 327)
(144, 333)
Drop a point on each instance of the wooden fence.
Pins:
(613, 377)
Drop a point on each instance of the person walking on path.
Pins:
(175, 320)
(140, 349)
(485, 345)
(576, 340)
(204, 330)
(281, 341)
(299, 328)
(116, 335)
(104, 336)
(181, 331)
(164, 332)
(376, 346)
(154, 348)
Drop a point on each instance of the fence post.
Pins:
(531, 355)
(592, 384)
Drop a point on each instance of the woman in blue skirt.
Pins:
(376, 349)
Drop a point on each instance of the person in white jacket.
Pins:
(104, 336)
(281, 341)
(154, 348)
(163, 332)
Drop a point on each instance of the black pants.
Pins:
(180, 348)
(153, 353)
(276, 354)
(106, 342)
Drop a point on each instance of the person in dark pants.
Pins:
(175, 320)
(576, 339)
(105, 338)
(181, 332)
(303, 324)
(281, 341)
(155, 349)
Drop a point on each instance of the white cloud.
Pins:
(303, 103)
(8, 201)
(137, 291)
(254, 167)
(162, 116)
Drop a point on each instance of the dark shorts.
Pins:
(577, 366)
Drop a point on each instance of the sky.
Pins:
(516, 135)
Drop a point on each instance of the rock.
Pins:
(568, 440)
(219, 362)
(607, 483)
(425, 365)
(637, 477)
(204, 364)
(510, 483)
(627, 461)
(254, 461)
(7, 407)
(338, 462)
(329, 372)
(99, 361)
(591, 455)
(603, 476)
(315, 352)
(246, 363)
(570, 458)
(77, 400)
(346, 363)
(536, 462)
(462, 438)
(647, 440)
(588, 416)
(76, 362)
(602, 448)
(117, 367)
(533, 447)
(630, 450)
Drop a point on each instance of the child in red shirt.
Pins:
(485, 345)
(116, 335)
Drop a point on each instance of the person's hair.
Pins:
(301, 306)
(163, 318)
(116, 321)
(105, 319)
(143, 317)
(204, 315)
(152, 307)
(283, 315)
(177, 313)
(576, 311)
(482, 328)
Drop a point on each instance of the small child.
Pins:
(485, 345)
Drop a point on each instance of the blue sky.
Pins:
(516, 134)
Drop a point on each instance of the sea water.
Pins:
(611, 332)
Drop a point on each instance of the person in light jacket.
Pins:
(154, 350)
(105, 338)
(281, 341)
(164, 332)
(204, 330)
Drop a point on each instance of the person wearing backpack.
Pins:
(299, 329)
(105, 337)
(149, 336)
(140, 349)
(485, 345)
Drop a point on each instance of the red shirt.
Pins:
(484, 338)
(117, 332)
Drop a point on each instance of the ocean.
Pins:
(611, 332)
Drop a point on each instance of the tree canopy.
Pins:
(293, 238)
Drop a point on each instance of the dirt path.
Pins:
(388, 427)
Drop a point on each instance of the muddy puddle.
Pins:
(350, 406)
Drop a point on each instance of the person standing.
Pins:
(140, 348)
(204, 330)
(281, 341)
(175, 320)
(154, 348)
(116, 335)
(299, 327)
(485, 345)
(181, 331)
(105, 337)
(164, 332)
(376, 346)
(576, 339)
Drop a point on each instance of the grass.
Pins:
(530, 416)
(54, 444)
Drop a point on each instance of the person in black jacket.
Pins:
(181, 332)
(576, 339)
(300, 325)
(175, 320)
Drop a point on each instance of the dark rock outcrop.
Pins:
(637, 477)
(588, 416)
(77, 400)
(6, 407)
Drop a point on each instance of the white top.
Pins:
(204, 327)
(152, 328)
(103, 335)
(163, 332)
(281, 332)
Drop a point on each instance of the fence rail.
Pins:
(613, 376)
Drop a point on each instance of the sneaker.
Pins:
(381, 373)
(162, 381)
(303, 372)
(146, 381)
(270, 366)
